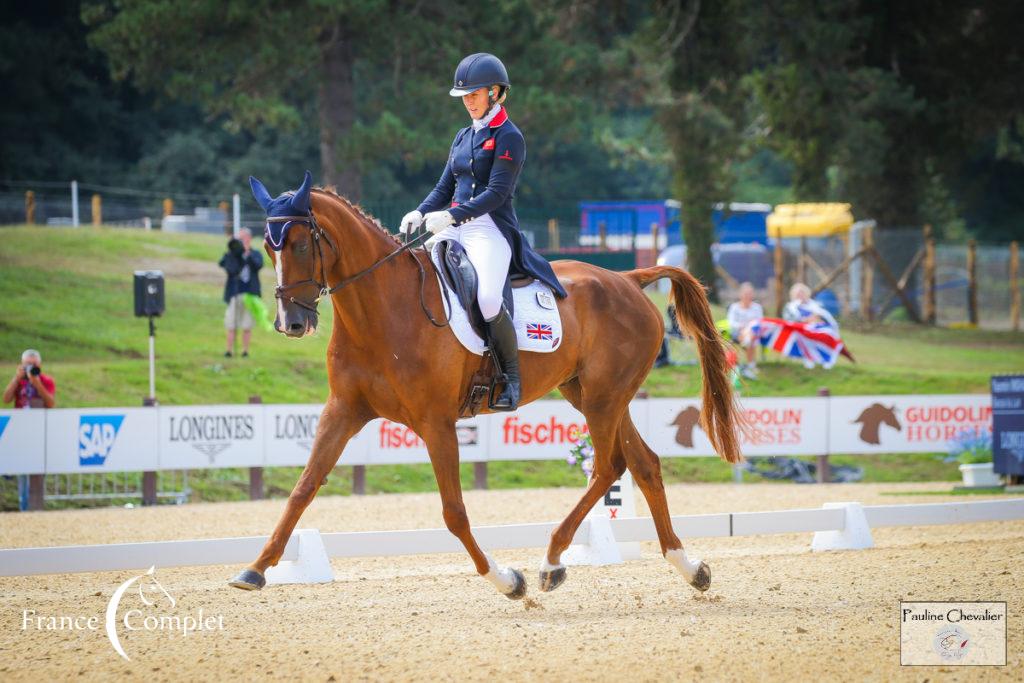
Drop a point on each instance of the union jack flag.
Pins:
(538, 331)
(810, 342)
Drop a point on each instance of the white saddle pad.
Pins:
(537, 320)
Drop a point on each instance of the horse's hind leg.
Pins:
(645, 466)
(608, 466)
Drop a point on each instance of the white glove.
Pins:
(438, 221)
(410, 222)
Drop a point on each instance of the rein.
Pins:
(318, 233)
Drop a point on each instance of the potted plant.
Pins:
(974, 452)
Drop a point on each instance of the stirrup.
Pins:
(494, 395)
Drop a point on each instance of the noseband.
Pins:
(319, 235)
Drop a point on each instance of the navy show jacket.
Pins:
(480, 177)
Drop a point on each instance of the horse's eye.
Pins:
(301, 247)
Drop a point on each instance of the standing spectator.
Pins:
(740, 316)
(242, 265)
(29, 388)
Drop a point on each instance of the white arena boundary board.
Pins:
(834, 518)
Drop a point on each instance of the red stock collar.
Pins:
(499, 118)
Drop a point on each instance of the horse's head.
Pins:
(299, 256)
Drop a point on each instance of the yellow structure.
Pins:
(809, 220)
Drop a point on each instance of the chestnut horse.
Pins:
(386, 359)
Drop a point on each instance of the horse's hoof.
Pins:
(550, 580)
(248, 580)
(519, 590)
(702, 579)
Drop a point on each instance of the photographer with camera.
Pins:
(29, 388)
(242, 265)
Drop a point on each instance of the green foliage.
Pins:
(909, 111)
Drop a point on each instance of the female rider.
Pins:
(472, 205)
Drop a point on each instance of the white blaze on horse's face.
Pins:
(294, 320)
(279, 269)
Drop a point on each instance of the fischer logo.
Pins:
(549, 431)
(4, 419)
(212, 434)
(96, 436)
(298, 428)
(397, 435)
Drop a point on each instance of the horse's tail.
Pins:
(719, 416)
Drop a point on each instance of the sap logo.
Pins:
(4, 419)
(96, 436)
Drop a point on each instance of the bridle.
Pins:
(319, 235)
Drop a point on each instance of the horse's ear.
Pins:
(263, 197)
(301, 199)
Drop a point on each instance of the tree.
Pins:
(258, 62)
(702, 117)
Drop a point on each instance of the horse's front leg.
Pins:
(338, 423)
(443, 447)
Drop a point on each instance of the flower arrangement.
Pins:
(971, 447)
(582, 453)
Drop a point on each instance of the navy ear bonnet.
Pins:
(288, 204)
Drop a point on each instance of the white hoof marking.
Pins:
(686, 567)
(503, 578)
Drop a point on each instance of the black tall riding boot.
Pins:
(501, 335)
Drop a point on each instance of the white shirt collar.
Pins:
(485, 120)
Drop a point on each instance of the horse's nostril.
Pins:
(296, 327)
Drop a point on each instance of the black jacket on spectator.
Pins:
(235, 264)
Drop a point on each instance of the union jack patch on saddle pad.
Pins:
(538, 331)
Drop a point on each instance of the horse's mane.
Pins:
(361, 213)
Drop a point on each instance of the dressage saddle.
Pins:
(459, 276)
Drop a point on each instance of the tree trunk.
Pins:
(699, 235)
(337, 112)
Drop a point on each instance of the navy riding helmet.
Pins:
(480, 70)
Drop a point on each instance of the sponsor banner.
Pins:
(22, 440)
(544, 430)
(86, 440)
(790, 426)
(203, 437)
(288, 431)
(1008, 424)
(390, 442)
(904, 424)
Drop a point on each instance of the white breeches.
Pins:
(490, 254)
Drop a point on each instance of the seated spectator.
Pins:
(803, 309)
(740, 316)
